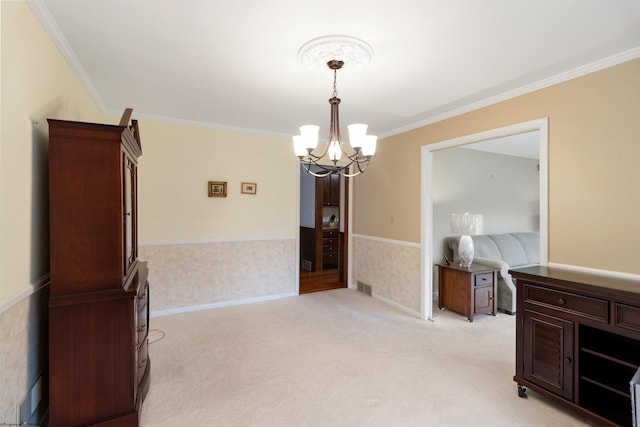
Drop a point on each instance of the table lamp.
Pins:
(465, 225)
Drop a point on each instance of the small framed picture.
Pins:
(249, 188)
(217, 188)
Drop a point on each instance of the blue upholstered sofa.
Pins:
(502, 251)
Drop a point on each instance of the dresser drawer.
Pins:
(330, 248)
(142, 296)
(592, 308)
(483, 279)
(329, 242)
(141, 362)
(330, 257)
(330, 233)
(142, 330)
(627, 316)
(142, 316)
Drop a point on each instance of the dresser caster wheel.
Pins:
(522, 392)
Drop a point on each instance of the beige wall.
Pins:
(178, 161)
(593, 128)
(37, 84)
(208, 250)
(593, 173)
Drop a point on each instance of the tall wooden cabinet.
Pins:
(578, 340)
(99, 300)
(330, 189)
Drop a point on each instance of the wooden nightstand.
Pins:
(467, 290)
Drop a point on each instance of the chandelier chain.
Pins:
(335, 86)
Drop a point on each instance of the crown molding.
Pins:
(523, 90)
(51, 27)
(42, 13)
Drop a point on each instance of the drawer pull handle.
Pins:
(562, 301)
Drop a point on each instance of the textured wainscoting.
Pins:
(24, 356)
(189, 275)
(391, 268)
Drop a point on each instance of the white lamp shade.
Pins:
(309, 135)
(299, 146)
(466, 224)
(369, 147)
(357, 133)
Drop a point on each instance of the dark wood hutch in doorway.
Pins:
(323, 247)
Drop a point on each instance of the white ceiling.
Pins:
(233, 64)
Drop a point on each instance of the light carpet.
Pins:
(337, 358)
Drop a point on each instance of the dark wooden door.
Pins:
(548, 352)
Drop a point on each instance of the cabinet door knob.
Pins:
(568, 360)
(562, 301)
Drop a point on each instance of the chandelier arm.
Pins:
(351, 175)
(306, 165)
(320, 175)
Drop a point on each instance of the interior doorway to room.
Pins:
(323, 230)
(427, 282)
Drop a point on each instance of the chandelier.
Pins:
(335, 155)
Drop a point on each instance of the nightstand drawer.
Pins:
(483, 279)
(592, 308)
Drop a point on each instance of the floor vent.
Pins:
(364, 288)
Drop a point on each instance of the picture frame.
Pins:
(249, 188)
(217, 188)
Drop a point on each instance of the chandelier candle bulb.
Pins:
(334, 151)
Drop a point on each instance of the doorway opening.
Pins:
(427, 217)
(324, 219)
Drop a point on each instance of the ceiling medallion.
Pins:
(353, 52)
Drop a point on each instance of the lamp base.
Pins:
(465, 251)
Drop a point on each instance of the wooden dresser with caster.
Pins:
(578, 340)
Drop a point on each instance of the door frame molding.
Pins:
(426, 182)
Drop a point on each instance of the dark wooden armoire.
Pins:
(99, 301)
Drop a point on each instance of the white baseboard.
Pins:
(159, 313)
(396, 305)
